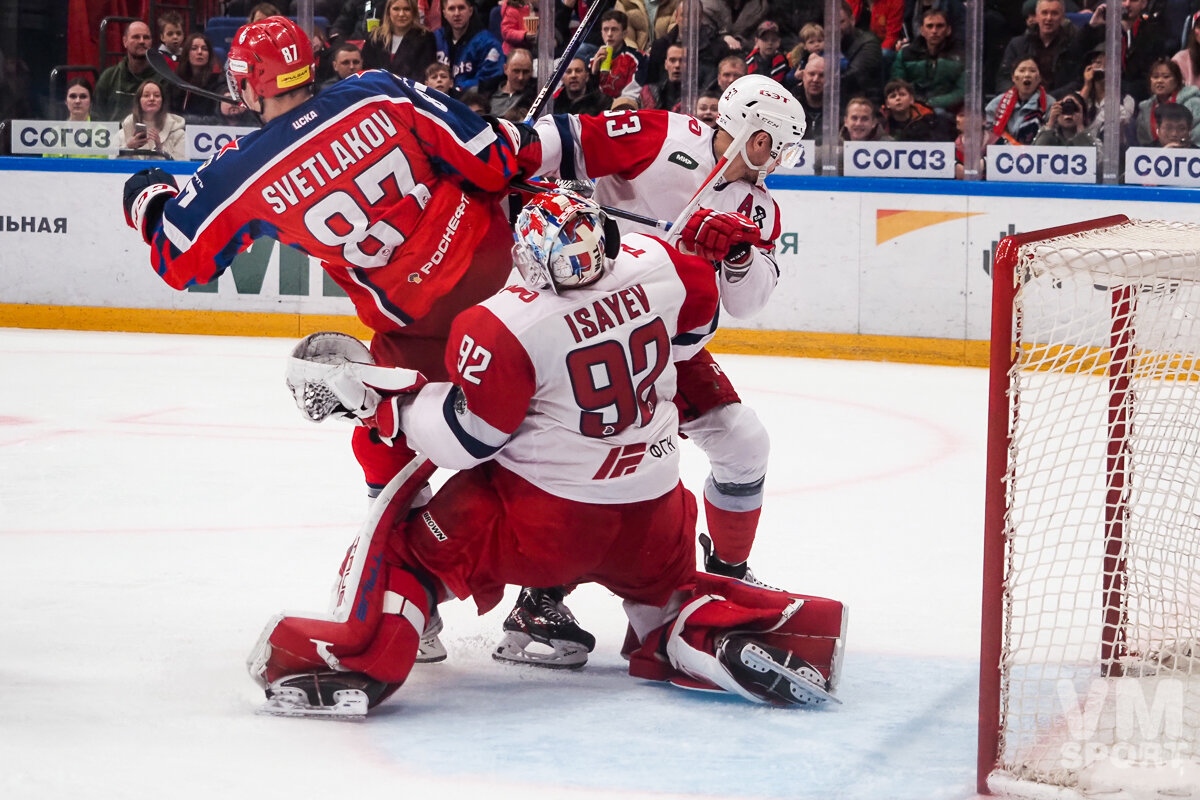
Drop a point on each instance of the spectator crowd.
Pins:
(900, 64)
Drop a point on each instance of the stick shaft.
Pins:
(585, 24)
(159, 62)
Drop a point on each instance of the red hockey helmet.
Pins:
(273, 55)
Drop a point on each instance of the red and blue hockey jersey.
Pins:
(390, 184)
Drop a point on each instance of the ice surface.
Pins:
(161, 497)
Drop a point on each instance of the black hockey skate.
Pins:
(540, 619)
(715, 566)
(327, 695)
(772, 673)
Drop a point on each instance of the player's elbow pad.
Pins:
(438, 424)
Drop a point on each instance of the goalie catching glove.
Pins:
(146, 192)
(332, 373)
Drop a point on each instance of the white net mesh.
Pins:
(1099, 691)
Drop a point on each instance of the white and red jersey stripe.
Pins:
(572, 391)
(653, 162)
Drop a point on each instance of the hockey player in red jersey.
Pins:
(396, 188)
(653, 162)
(557, 415)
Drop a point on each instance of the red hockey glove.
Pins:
(713, 234)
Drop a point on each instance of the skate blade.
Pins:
(351, 708)
(565, 655)
(805, 691)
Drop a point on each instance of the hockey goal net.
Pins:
(1090, 658)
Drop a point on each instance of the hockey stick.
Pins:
(159, 62)
(568, 53)
(537, 188)
(717, 173)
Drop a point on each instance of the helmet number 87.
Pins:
(290, 53)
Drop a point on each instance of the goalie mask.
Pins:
(563, 241)
(757, 103)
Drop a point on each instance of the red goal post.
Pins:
(1091, 573)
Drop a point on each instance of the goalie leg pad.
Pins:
(794, 641)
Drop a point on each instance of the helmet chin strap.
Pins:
(764, 168)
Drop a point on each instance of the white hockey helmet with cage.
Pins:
(757, 103)
(563, 240)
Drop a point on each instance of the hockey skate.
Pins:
(739, 572)
(431, 650)
(772, 673)
(541, 619)
(325, 695)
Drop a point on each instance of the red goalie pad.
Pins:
(812, 628)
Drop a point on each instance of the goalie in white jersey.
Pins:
(559, 416)
(652, 163)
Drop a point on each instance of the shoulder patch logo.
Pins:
(683, 159)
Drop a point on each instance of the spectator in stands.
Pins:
(933, 65)
(1146, 41)
(887, 23)
(234, 114)
(664, 18)
(264, 10)
(729, 70)
(861, 121)
(437, 76)
(1066, 124)
(1054, 43)
(637, 23)
(1165, 86)
(735, 21)
(198, 68)
(1175, 126)
(862, 59)
(668, 92)
(79, 100)
(792, 16)
(463, 43)
(150, 128)
(1093, 89)
(713, 49)
(430, 14)
(1188, 58)
(811, 40)
(170, 35)
(575, 96)
(475, 100)
(118, 84)
(515, 31)
(347, 60)
(1015, 115)
(811, 94)
(518, 90)
(399, 43)
(616, 67)
(904, 119)
(706, 108)
(765, 58)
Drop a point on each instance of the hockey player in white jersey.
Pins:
(558, 416)
(653, 163)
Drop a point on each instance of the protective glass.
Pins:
(791, 154)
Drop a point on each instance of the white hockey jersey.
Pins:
(572, 391)
(652, 162)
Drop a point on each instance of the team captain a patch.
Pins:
(437, 532)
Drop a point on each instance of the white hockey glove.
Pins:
(332, 373)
